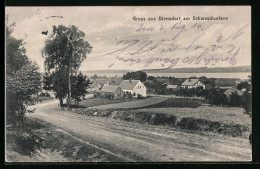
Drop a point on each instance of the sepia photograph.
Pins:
(128, 84)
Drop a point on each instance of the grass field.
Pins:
(225, 115)
(176, 102)
(177, 107)
(102, 101)
(131, 104)
(180, 113)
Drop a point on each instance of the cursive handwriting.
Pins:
(169, 51)
(142, 45)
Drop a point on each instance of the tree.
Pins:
(79, 86)
(138, 75)
(215, 97)
(247, 102)
(15, 51)
(60, 85)
(48, 81)
(151, 78)
(208, 81)
(172, 79)
(22, 78)
(64, 51)
(243, 85)
(235, 99)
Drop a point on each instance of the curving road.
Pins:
(144, 143)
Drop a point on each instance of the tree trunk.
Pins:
(69, 88)
(61, 101)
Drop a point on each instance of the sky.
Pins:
(111, 29)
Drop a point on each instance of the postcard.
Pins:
(128, 84)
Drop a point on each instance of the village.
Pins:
(217, 110)
(102, 90)
(196, 88)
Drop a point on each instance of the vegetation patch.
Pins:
(176, 102)
(44, 140)
(175, 121)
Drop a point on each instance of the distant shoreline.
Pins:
(237, 69)
(237, 75)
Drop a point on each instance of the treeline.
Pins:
(138, 75)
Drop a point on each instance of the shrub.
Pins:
(27, 142)
(139, 96)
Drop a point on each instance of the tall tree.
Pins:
(22, 78)
(64, 51)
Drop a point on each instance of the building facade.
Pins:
(192, 83)
(134, 87)
(112, 92)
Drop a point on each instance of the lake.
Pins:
(237, 75)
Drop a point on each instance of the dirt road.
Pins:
(144, 143)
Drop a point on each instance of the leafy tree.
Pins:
(247, 102)
(215, 97)
(79, 86)
(22, 78)
(235, 99)
(208, 81)
(172, 79)
(64, 51)
(138, 75)
(60, 85)
(243, 85)
(15, 51)
(48, 81)
(151, 78)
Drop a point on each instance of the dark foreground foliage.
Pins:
(23, 140)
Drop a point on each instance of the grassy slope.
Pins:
(132, 104)
(220, 114)
(96, 102)
(57, 146)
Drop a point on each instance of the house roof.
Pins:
(128, 84)
(190, 82)
(109, 88)
(172, 86)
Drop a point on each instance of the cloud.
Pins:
(104, 26)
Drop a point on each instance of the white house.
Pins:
(192, 83)
(134, 87)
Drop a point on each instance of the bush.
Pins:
(139, 96)
(235, 100)
(27, 142)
